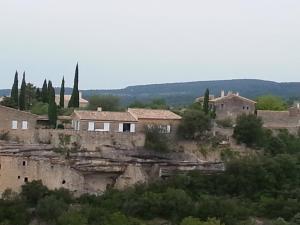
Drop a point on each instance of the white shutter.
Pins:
(120, 127)
(106, 126)
(14, 125)
(132, 128)
(168, 129)
(91, 126)
(24, 125)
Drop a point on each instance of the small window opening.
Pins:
(24, 163)
(26, 179)
(247, 107)
(222, 106)
(126, 127)
(19, 177)
(63, 182)
(243, 107)
(0, 166)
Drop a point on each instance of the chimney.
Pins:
(99, 109)
(229, 93)
(237, 94)
(222, 93)
(80, 95)
(298, 105)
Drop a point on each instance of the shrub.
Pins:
(226, 123)
(156, 139)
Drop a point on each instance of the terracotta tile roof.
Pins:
(20, 111)
(229, 96)
(104, 116)
(158, 114)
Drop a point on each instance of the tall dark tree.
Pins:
(205, 102)
(45, 92)
(62, 94)
(15, 91)
(22, 97)
(74, 101)
(38, 95)
(52, 109)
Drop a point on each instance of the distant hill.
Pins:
(185, 93)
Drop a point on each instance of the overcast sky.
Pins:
(125, 42)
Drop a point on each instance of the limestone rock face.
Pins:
(133, 174)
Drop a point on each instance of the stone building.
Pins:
(165, 119)
(231, 105)
(82, 102)
(103, 121)
(13, 119)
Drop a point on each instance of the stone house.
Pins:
(103, 121)
(165, 119)
(82, 102)
(231, 105)
(13, 119)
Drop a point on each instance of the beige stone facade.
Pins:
(13, 119)
(231, 105)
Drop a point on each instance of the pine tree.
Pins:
(45, 92)
(205, 102)
(62, 94)
(74, 101)
(15, 91)
(22, 97)
(52, 109)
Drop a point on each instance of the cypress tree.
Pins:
(38, 95)
(22, 97)
(45, 92)
(15, 91)
(52, 109)
(74, 101)
(62, 94)
(205, 102)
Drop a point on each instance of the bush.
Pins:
(40, 108)
(194, 124)
(156, 139)
(248, 130)
(226, 123)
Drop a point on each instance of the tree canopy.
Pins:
(270, 102)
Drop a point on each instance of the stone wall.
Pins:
(16, 171)
(278, 119)
(81, 139)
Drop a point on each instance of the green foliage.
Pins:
(156, 139)
(72, 217)
(52, 109)
(270, 102)
(225, 123)
(62, 94)
(157, 103)
(106, 102)
(206, 102)
(248, 130)
(8, 102)
(74, 101)
(50, 208)
(194, 124)
(40, 108)
(34, 191)
(44, 94)
(196, 221)
(22, 96)
(15, 91)
(30, 97)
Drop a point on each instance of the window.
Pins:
(243, 107)
(63, 182)
(19, 177)
(24, 163)
(247, 107)
(26, 179)
(222, 106)
(126, 127)
(91, 126)
(165, 129)
(24, 125)
(14, 125)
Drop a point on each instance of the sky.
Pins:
(127, 42)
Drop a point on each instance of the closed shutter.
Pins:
(24, 125)
(120, 127)
(14, 125)
(106, 126)
(168, 129)
(132, 128)
(91, 126)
